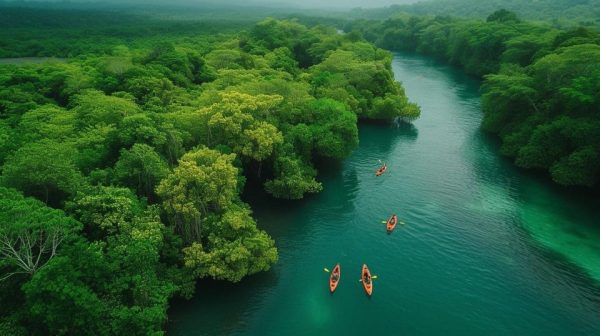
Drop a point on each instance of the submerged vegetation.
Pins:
(541, 85)
(122, 168)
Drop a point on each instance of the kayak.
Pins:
(334, 278)
(367, 282)
(381, 170)
(391, 223)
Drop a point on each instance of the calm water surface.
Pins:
(487, 249)
(32, 60)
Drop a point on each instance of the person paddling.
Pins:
(334, 278)
(381, 170)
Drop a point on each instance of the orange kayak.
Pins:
(381, 170)
(334, 278)
(367, 282)
(391, 223)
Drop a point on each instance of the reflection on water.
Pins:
(195, 317)
(557, 218)
(407, 131)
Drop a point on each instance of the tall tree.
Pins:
(140, 168)
(44, 169)
(204, 181)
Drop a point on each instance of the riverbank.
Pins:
(32, 60)
(468, 255)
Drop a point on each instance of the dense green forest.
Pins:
(69, 33)
(122, 167)
(541, 89)
(44, 32)
(559, 12)
(123, 164)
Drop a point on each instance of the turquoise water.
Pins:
(487, 249)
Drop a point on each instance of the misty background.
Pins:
(333, 4)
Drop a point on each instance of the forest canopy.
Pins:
(123, 164)
(557, 12)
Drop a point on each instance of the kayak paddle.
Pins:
(385, 222)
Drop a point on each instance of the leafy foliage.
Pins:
(559, 12)
(138, 149)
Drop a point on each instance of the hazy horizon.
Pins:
(345, 4)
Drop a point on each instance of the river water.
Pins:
(32, 60)
(487, 249)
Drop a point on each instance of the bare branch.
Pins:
(20, 249)
(10, 253)
(11, 274)
(41, 249)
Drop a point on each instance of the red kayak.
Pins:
(367, 281)
(391, 223)
(334, 278)
(381, 170)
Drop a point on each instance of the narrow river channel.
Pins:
(487, 249)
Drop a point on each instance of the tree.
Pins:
(234, 248)
(334, 128)
(58, 297)
(46, 122)
(393, 106)
(361, 78)
(94, 146)
(30, 232)
(229, 59)
(259, 140)
(271, 33)
(44, 169)
(118, 277)
(524, 49)
(140, 128)
(140, 168)
(205, 181)
(7, 140)
(172, 63)
(282, 59)
(94, 107)
(502, 15)
(579, 168)
(293, 177)
(235, 121)
(504, 94)
(144, 88)
(104, 210)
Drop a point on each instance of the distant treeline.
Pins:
(49, 32)
(559, 12)
(28, 32)
(541, 89)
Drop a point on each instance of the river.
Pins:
(487, 249)
(31, 60)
